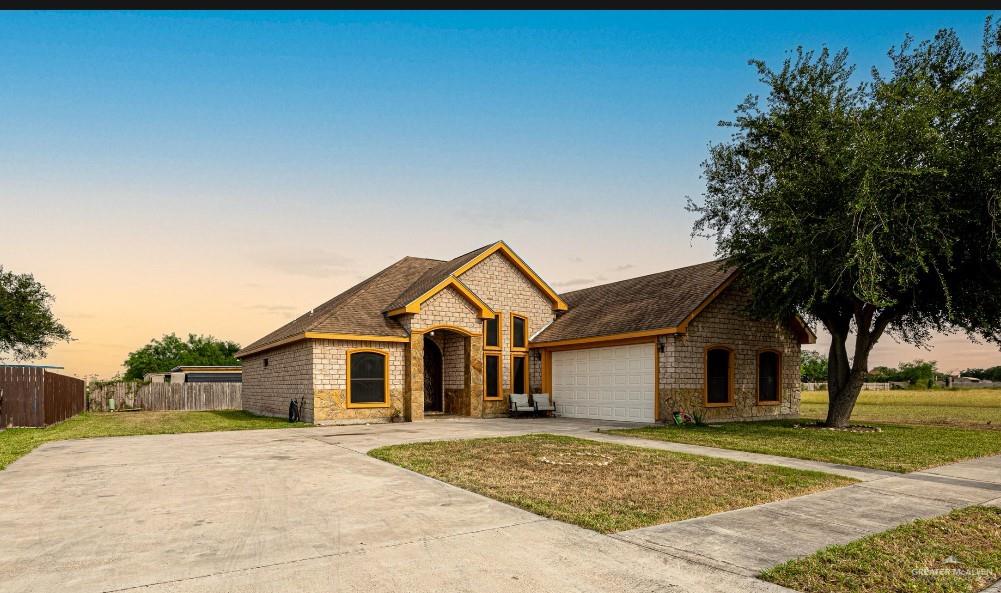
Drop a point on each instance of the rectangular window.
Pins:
(492, 376)
(768, 377)
(519, 374)
(718, 376)
(492, 332)
(519, 331)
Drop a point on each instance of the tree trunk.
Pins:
(844, 377)
(840, 400)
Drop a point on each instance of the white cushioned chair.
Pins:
(543, 403)
(520, 405)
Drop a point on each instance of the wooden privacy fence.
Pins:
(33, 396)
(166, 396)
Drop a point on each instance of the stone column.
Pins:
(474, 375)
(413, 399)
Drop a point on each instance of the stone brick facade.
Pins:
(315, 370)
(505, 289)
(448, 307)
(724, 322)
(330, 380)
(267, 390)
(454, 355)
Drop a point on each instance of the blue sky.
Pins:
(274, 158)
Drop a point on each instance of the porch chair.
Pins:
(544, 403)
(520, 405)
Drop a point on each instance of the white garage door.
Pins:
(613, 383)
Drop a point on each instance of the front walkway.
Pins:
(747, 541)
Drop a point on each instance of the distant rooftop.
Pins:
(207, 369)
(32, 366)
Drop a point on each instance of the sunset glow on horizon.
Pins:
(223, 173)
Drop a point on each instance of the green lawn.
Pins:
(17, 442)
(896, 448)
(602, 486)
(958, 552)
(975, 408)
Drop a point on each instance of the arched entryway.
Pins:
(434, 371)
(446, 369)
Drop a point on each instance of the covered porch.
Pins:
(445, 368)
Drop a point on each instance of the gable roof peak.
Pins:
(438, 277)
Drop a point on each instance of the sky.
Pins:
(221, 173)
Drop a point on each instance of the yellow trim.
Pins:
(385, 381)
(356, 337)
(649, 333)
(683, 326)
(547, 372)
(778, 377)
(500, 333)
(414, 306)
(808, 336)
(524, 367)
(502, 247)
(731, 360)
(445, 326)
(511, 317)
(322, 336)
(500, 375)
(656, 380)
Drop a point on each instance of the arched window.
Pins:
(368, 379)
(719, 378)
(768, 377)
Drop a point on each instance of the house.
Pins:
(198, 374)
(426, 336)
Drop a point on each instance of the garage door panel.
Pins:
(612, 383)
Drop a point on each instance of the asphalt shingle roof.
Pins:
(357, 310)
(649, 302)
(433, 276)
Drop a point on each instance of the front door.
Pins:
(433, 395)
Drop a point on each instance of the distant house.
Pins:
(427, 336)
(960, 381)
(198, 374)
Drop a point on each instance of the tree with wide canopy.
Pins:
(870, 208)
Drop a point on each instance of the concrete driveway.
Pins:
(300, 510)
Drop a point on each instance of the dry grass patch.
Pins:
(968, 408)
(602, 486)
(903, 448)
(957, 552)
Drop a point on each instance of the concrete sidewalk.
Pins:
(747, 541)
(863, 474)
